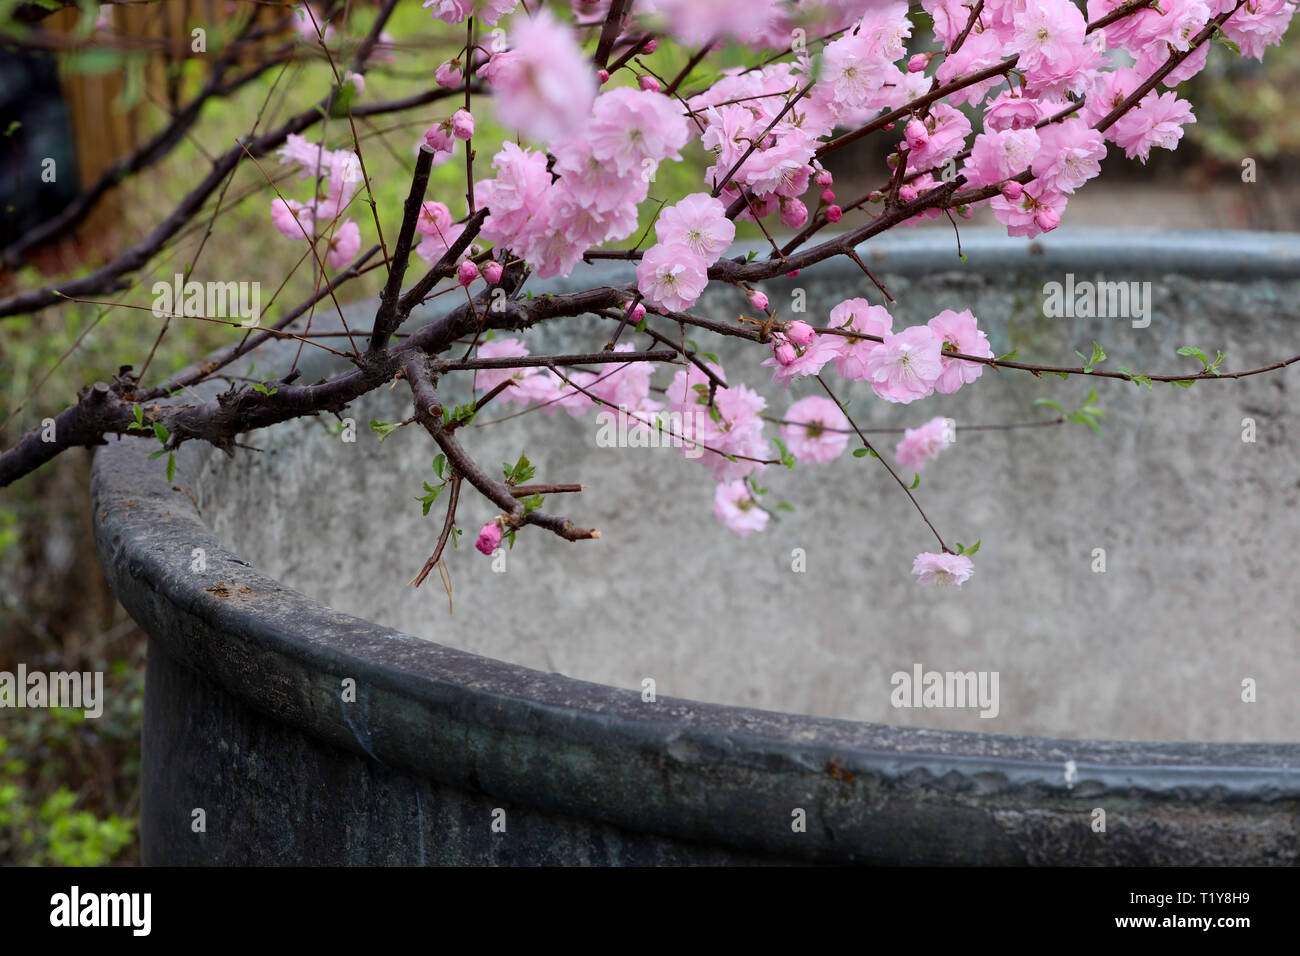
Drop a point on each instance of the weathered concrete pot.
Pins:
(245, 715)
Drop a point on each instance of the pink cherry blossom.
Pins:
(920, 445)
(1023, 216)
(546, 86)
(635, 130)
(945, 570)
(948, 129)
(530, 384)
(1010, 111)
(1001, 154)
(344, 245)
(959, 332)
(488, 12)
(671, 276)
(1069, 154)
(699, 222)
(858, 315)
(489, 538)
(1045, 33)
(980, 50)
(293, 219)
(467, 272)
(735, 507)
(1156, 121)
(515, 195)
(627, 386)
(439, 231)
(906, 366)
(1258, 25)
(808, 359)
(823, 434)
(853, 71)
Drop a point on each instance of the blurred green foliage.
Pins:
(1243, 107)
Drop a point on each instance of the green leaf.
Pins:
(519, 473)
(160, 432)
(384, 429)
(428, 499)
(438, 464)
(785, 506)
(1098, 356)
(787, 458)
(915, 482)
(1183, 382)
(1057, 374)
(1008, 357)
(533, 503)
(859, 453)
(171, 466)
(1051, 404)
(158, 454)
(972, 549)
(1193, 350)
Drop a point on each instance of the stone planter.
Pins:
(1120, 690)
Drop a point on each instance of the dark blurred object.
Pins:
(38, 156)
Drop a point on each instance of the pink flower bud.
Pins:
(824, 179)
(638, 313)
(602, 76)
(462, 124)
(649, 46)
(907, 193)
(489, 538)
(875, 196)
(785, 353)
(792, 273)
(828, 195)
(918, 63)
(649, 83)
(757, 299)
(1047, 219)
(451, 73)
(834, 214)
(492, 272)
(357, 80)
(793, 214)
(800, 333)
(467, 272)
(1012, 190)
(916, 134)
(889, 126)
(439, 138)
(965, 211)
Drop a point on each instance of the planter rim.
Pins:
(277, 650)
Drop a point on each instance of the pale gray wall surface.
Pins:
(1199, 528)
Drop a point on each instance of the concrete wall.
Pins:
(1198, 527)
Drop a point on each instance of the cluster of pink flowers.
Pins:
(582, 149)
(341, 171)
(691, 236)
(602, 173)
